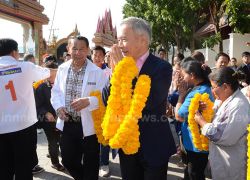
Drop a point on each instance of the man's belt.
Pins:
(74, 118)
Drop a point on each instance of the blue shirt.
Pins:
(183, 112)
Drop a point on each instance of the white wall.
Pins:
(238, 45)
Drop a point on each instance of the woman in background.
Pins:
(195, 80)
(228, 130)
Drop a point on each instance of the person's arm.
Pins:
(181, 109)
(173, 98)
(40, 102)
(42, 106)
(224, 131)
(200, 119)
(91, 102)
(177, 108)
(106, 93)
(38, 72)
(57, 99)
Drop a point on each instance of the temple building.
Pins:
(59, 47)
(28, 14)
(105, 34)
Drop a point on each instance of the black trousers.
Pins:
(53, 137)
(134, 168)
(16, 150)
(79, 156)
(196, 164)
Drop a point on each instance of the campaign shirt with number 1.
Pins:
(17, 103)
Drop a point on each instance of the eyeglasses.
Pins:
(215, 87)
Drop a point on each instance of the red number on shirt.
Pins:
(11, 87)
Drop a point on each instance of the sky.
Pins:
(84, 13)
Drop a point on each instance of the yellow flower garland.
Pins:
(127, 136)
(120, 123)
(200, 142)
(38, 83)
(120, 96)
(97, 117)
(248, 153)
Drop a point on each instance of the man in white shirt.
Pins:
(71, 99)
(98, 56)
(17, 112)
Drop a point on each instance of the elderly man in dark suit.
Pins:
(157, 144)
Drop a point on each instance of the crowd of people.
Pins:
(56, 97)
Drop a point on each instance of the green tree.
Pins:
(238, 15)
(170, 20)
(237, 12)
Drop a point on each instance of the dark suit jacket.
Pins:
(243, 68)
(156, 139)
(43, 104)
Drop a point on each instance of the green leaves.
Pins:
(175, 22)
(211, 41)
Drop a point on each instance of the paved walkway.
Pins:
(174, 172)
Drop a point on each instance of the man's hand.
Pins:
(50, 117)
(62, 113)
(115, 55)
(79, 104)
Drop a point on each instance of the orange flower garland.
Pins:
(127, 136)
(120, 96)
(200, 142)
(98, 116)
(120, 124)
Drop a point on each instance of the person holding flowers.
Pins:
(228, 130)
(194, 86)
(135, 121)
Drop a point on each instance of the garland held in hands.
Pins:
(200, 142)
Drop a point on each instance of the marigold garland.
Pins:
(120, 123)
(200, 142)
(248, 153)
(120, 96)
(98, 116)
(127, 136)
(38, 83)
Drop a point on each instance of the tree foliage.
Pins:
(174, 22)
(238, 15)
(171, 20)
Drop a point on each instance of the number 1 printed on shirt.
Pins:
(10, 86)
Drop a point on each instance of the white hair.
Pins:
(138, 25)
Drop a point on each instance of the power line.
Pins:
(52, 21)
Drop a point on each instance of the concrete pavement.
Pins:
(174, 172)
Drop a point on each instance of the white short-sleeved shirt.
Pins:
(17, 103)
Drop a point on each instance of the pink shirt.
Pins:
(141, 60)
